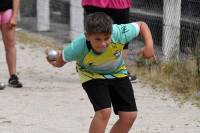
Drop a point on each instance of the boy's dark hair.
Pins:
(98, 22)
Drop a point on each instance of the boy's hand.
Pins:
(53, 63)
(146, 52)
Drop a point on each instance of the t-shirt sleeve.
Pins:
(74, 50)
(124, 33)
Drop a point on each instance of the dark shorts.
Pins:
(119, 16)
(106, 92)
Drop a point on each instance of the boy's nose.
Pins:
(104, 44)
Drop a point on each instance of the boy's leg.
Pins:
(100, 121)
(98, 93)
(124, 105)
(125, 122)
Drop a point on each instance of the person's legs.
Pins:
(8, 34)
(100, 121)
(125, 122)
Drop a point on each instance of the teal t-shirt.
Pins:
(106, 65)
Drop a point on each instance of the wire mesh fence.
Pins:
(176, 29)
(152, 13)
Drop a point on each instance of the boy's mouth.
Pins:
(99, 50)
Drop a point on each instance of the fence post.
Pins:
(76, 18)
(197, 55)
(171, 29)
(43, 16)
(19, 15)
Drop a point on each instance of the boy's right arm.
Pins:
(148, 50)
(59, 62)
(72, 52)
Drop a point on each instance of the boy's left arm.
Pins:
(148, 50)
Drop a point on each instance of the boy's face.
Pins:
(99, 41)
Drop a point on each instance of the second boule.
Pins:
(2, 85)
(52, 55)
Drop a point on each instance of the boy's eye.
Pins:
(97, 39)
(107, 38)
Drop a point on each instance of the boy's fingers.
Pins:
(140, 53)
(51, 62)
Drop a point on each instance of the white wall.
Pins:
(76, 18)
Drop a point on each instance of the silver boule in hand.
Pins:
(52, 55)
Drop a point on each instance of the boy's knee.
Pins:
(104, 114)
(129, 117)
(133, 116)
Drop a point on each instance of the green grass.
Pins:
(179, 77)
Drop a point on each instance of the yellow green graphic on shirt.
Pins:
(109, 64)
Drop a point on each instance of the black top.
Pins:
(6, 4)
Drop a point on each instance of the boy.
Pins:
(102, 71)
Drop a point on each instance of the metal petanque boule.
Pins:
(52, 55)
(2, 85)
